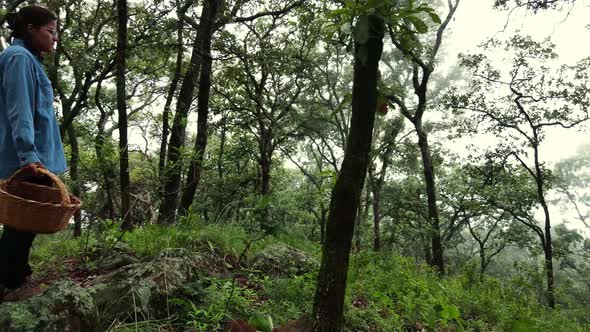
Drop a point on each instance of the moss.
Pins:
(141, 290)
(64, 307)
(283, 260)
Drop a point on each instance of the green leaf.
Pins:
(361, 30)
(450, 312)
(523, 325)
(263, 324)
(435, 18)
(420, 26)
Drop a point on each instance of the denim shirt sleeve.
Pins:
(19, 83)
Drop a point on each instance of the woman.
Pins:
(29, 133)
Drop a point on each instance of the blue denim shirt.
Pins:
(29, 131)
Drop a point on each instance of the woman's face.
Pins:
(42, 39)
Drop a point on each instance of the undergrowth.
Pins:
(386, 292)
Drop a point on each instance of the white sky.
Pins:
(475, 21)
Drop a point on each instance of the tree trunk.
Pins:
(363, 216)
(265, 162)
(482, 263)
(548, 245)
(195, 167)
(331, 287)
(107, 174)
(222, 139)
(122, 110)
(74, 157)
(549, 261)
(167, 105)
(177, 134)
(357, 228)
(436, 243)
(376, 220)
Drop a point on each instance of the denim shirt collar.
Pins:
(21, 42)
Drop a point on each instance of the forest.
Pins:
(309, 165)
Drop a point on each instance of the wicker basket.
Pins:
(35, 208)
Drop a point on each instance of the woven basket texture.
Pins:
(35, 208)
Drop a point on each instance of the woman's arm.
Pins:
(19, 86)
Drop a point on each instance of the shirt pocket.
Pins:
(43, 113)
(45, 95)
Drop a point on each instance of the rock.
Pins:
(143, 289)
(63, 307)
(114, 257)
(284, 260)
(115, 261)
(136, 291)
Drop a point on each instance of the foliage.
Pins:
(387, 292)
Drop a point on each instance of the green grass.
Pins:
(386, 292)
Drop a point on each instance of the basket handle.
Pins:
(63, 191)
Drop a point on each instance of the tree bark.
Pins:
(548, 245)
(331, 287)
(195, 167)
(265, 162)
(429, 177)
(122, 111)
(74, 157)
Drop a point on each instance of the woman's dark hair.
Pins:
(37, 16)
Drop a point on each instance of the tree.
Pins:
(423, 64)
(264, 87)
(383, 152)
(528, 100)
(173, 167)
(572, 183)
(195, 166)
(205, 30)
(121, 56)
(329, 301)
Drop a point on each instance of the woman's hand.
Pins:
(30, 170)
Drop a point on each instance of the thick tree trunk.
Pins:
(331, 287)
(122, 110)
(436, 243)
(167, 105)
(177, 134)
(549, 262)
(195, 167)
(482, 263)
